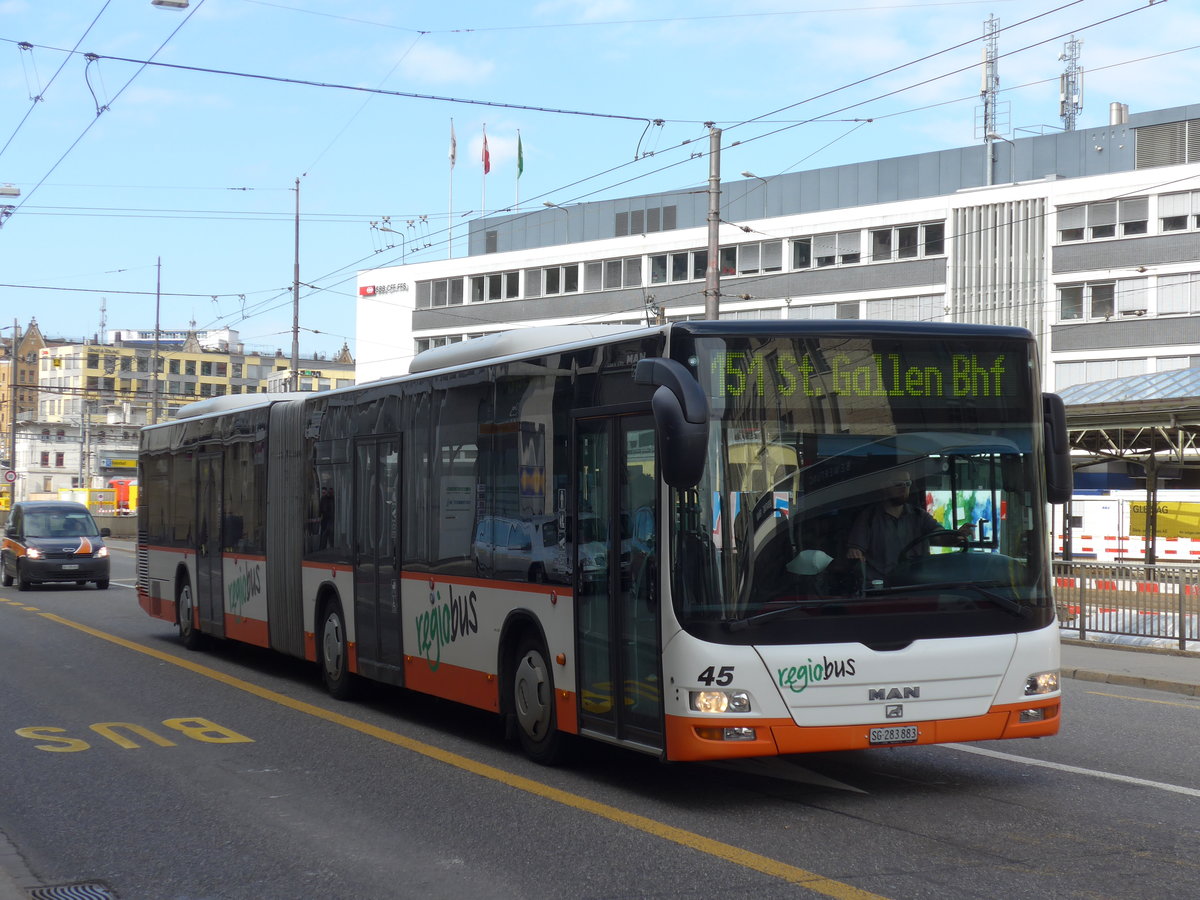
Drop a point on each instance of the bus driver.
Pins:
(884, 530)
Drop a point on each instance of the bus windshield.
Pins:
(857, 487)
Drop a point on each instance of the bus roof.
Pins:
(512, 343)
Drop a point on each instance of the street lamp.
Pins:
(566, 211)
(170, 4)
(764, 181)
(403, 237)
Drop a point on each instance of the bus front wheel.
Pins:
(335, 665)
(533, 704)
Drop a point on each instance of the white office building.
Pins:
(1088, 238)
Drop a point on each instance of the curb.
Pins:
(1154, 684)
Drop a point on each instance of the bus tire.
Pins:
(334, 653)
(185, 618)
(532, 695)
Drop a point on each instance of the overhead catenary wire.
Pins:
(805, 121)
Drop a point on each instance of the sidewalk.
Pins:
(1158, 670)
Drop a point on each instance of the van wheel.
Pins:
(22, 584)
(533, 703)
(7, 579)
(102, 584)
(335, 653)
(189, 635)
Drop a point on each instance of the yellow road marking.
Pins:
(745, 858)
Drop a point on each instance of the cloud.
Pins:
(432, 64)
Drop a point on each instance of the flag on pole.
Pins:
(487, 157)
(520, 155)
(453, 145)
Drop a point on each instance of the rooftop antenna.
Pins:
(103, 319)
(1070, 91)
(989, 89)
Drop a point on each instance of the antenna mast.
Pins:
(1070, 91)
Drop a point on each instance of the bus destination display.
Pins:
(919, 376)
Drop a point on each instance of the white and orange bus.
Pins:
(577, 532)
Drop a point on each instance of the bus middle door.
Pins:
(616, 569)
(376, 552)
(210, 578)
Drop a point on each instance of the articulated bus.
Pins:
(639, 537)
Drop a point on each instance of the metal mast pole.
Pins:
(12, 412)
(712, 272)
(156, 360)
(296, 300)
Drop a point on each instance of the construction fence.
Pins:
(1148, 605)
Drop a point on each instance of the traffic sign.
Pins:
(10, 476)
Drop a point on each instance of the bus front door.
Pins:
(376, 546)
(210, 580)
(613, 536)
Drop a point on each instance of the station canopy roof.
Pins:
(1151, 418)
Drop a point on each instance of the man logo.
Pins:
(894, 693)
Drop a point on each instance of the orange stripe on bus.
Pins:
(469, 686)
(252, 631)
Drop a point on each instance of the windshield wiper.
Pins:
(1006, 603)
(744, 623)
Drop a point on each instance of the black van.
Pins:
(53, 540)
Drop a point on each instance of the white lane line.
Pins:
(1075, 770)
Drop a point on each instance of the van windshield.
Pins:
(55, 525)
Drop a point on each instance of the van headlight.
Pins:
(1041, 683)
(33, 553)
(103, 551)
(718, 702)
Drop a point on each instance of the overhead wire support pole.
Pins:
(156, 360)
(295, 379)
(712, 272)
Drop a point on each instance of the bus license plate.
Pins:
(902, 734)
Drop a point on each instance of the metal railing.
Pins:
(1159, 603)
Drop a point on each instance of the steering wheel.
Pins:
(931, 534)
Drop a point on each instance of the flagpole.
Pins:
(450, 201)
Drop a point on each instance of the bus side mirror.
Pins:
(680, 418)
(1058, 453)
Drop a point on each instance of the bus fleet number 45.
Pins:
(722, 677)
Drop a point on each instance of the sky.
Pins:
(158, 151)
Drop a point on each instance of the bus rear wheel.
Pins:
(533, 704)
(189, 636)
(335, 653)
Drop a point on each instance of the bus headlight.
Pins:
(720, 701)
(1041, 683)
